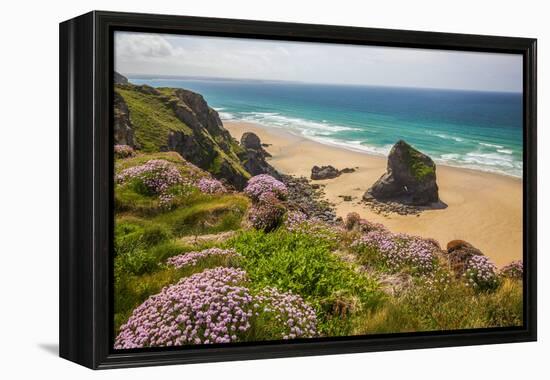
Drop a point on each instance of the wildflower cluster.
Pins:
(153, 177)
(436, 282)
(264, 183)
(295, 220)
(481, 273)
(211, 186)
(124, 151)
(291, 315)
(266, 214)
(192, 258)
(214, 306)
(513, 270)
(397, 251)
(207, 307)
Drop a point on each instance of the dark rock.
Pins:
(120, 79)
(124, 132)
(250, 140)
(193, 110)
(254, 156)
(324, 172)
(204, 146)
(410, 178)
(347, 170)
(458, 254)
(302, 197)
(347, 198)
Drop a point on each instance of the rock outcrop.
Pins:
(305, 197)
(250, 140)
(123, 130)
(324, 172)
(328, 172)
(458, 254)
(120, 79)
(409, 179)
(180, 120)
(254, 156)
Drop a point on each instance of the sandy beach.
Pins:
(484, 209)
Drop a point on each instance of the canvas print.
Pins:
(289, 191)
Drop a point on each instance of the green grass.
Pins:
(438, 308)
(151, 118)
(345, 296)
(304, 264)
(206, 215)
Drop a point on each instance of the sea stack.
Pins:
(409, 178)
(254, 156)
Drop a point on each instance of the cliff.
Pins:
(170, 119)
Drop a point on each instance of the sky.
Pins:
(236, 58)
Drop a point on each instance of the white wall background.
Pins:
(29, 187)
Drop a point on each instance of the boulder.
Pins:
(458, 254)
(347, 170)
(409, 179)
(324, 172)
(250, 140)
(254, 156)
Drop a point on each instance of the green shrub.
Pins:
(305, 265)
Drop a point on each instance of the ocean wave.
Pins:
(306, 127)
(488, 162)
(491, 145)
(447, 137)
(489, 158)
(226, 115)
(505, 151)
(356, 146)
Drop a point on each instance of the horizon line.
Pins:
(232, 79)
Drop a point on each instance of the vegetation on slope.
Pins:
(180, 120)
(151, 119)
(287, 277)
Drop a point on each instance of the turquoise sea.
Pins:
(471, 129)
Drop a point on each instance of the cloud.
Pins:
(163, 54)
(139, 46)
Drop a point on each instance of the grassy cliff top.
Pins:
(151, 117)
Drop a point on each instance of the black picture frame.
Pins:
(86, 187)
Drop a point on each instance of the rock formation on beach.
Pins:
(324, 172)
(410, 178)
(328, 172)
(254, 156)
